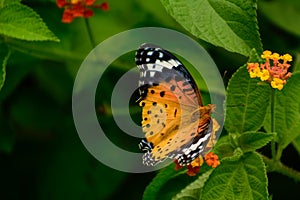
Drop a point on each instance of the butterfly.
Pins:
(175, 122)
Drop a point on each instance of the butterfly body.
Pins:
(176, 123)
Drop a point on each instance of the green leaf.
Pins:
(227, 148)
(193, 190)
(166, 175)
(250, 141)
(288, 17)
(224, 148)
(244, 179)
(286, 112)
(247, 102)
(254, 57)
(169, 182)
(228, 24)
(158, 182)
(236, 155)
(6, 2)
(4, 55)
(21, 22)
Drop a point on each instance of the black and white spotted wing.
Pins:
(157, 65)
(174, 120)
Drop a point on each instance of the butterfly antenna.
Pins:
(224, 74)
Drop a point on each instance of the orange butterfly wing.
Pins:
(174, 120)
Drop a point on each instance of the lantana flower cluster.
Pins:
(193, 168)
(79, 8)
(274, 70)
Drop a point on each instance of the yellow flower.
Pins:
(198, 162)
(75, 1)
(254, 71)
(264, 75)
(274, 70)
(275, 56)
(287, 58)
(266, 54)
(277, 83)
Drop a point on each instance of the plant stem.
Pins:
(273, 145)
(89, 30)
(277, 166)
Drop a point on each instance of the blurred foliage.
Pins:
(41, 154)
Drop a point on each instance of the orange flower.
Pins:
(67, 16)
(193, 168)
(273, 70)
(178, 166)
(212, 160)
(192, 171)
(105, 6)
(61, 3)
(89, 2)
(79, 8)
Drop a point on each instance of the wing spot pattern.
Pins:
(159, 67)
(172, 88)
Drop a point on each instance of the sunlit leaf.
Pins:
(21, 22)
(229, 24)
(250, 141)
(6, 2)
(4, 55)
(244, 179)
(193, 190)
(168, 183)
(247, 102)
